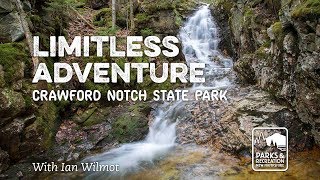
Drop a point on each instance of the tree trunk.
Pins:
(113, 13)
(28, 35)
(131, 16)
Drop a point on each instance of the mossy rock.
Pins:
(84, 115)
(178, 18)
(278, 33)
(107, 31)
(103, 88)
(146, 32)
(103, 18)
(277, 28)
(47, 123)
(248, 16)
(2, 81)
(150, 6)
(132, 125)
(13, 58)
(98, 116)
(225, 4)
(12, 103)
(243, 67)
(142, 18)
(129, 127)
(185, 6)
(307, 9)
(140, 108)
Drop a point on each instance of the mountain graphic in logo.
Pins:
(275, 139)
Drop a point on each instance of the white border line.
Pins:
(252, 150)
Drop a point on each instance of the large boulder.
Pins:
(11, 29)
(13, 61)
(228, 127)
(12, 103)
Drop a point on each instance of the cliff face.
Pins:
(277, 47)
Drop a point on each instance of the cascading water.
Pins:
(200, 40)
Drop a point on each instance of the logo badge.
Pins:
(270, 149)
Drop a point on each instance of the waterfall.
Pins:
(199, 37)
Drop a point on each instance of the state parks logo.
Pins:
(270, 149)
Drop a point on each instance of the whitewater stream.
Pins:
(200, 39)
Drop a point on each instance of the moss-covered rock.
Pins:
(2, 81)
(100, 115)
(81, 117)
(12, 103)
(224, 4)
(150, 6)
(160, 22)
(142, 17)
(244, 69)
(276, 33)
(47, 122)
(103, 88)
(132, 125)
(103, 18)
(146, 32)
(13, 58)
(163, 17)
(307, 9)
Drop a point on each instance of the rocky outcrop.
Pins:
(228, 127)
(26, 128)
(277, 48)
(11, 29)
(97, 127)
